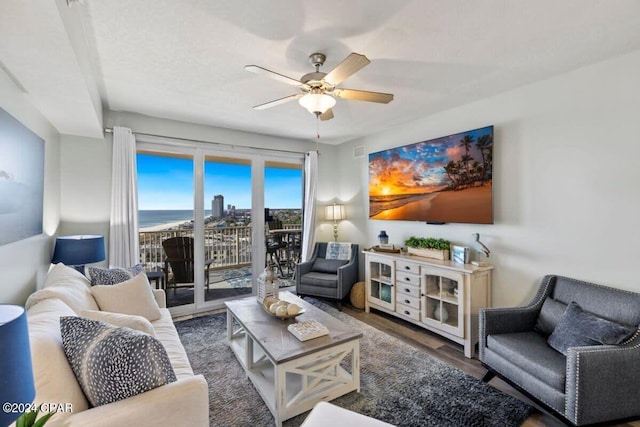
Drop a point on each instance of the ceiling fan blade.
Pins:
(276, 76)
(363, 95)
(279, 101)
(327, 115)
(346, 68)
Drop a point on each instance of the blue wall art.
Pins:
(21, 180)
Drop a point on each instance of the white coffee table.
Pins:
(290, 375)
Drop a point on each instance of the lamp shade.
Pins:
(317, 102)
(335, 212)
(78, 250)
(16, 374)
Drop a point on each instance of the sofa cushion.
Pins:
(549, 316)
(112, 363)
(168, 336)
(111, 276)
(54, 379)
(133, 296)
(132, 321)
(329, 266)
(62, 275)
(77, 297)
(530, 352)
(578, 328)
(320, 279)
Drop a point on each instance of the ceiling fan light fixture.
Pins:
(317, 103)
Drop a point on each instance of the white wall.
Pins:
(25, 262)
(566, 176)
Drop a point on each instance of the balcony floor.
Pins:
(227, 283)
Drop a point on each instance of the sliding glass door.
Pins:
(227, 228)
(283, 189)
(203, 223)
(166, 220)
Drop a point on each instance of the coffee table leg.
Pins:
(280, 390)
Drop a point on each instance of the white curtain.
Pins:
(310, 190)
(123, 235)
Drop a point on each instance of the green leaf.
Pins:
(43, 420)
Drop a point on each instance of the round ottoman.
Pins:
(357, 295)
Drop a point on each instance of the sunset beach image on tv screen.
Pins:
(447, 179)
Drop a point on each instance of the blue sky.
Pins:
(167, 183)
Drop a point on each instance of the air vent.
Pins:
(358, 152)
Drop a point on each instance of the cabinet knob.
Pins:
(407, 279)
(406, 267)
(407, 301)
(407, 290)
(406, 312)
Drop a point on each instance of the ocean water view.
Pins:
(151, 218)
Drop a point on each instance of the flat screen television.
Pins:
(443, 180)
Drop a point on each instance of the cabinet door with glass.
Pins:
(379, 278)
(442, 300)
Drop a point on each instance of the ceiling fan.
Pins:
(319, 89)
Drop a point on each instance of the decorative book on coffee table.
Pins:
(308, 329)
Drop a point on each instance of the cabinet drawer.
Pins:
(408, 267)
(407, 300)
(407, 311)
(407, 289)
(411, 279)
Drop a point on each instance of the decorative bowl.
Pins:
(270, 300)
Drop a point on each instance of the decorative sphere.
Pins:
(293, 309)
(357, 295)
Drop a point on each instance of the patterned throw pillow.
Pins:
(111, 276)
(112, 363)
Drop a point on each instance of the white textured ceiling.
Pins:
(184, 60)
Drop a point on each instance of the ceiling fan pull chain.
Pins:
(318, 126)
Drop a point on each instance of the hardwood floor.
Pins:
(451, 353)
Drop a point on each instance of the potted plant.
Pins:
(428, 247)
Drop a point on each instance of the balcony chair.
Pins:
(575, 349)
(275, 245)
(179, 260)
(327, 278)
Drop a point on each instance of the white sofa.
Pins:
(66, 292)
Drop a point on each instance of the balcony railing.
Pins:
(227, 246)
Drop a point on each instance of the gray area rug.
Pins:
(399, 384)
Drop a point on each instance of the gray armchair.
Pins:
(326, 277)
(592, 383)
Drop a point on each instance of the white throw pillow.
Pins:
(131, 297)
(61, 275)
(78, 298)
(132, 321)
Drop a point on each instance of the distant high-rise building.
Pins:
(217, 206)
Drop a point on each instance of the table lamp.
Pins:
(335, 213)
(78, 250)
(16, 374)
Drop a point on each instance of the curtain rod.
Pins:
(110, 130)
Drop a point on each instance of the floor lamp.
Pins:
(335, 213)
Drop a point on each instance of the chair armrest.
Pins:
(161, 297)
(347, 276)
(303, 268)
(507, 320)
(513, 319)
(184, 402)
(602, 382)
